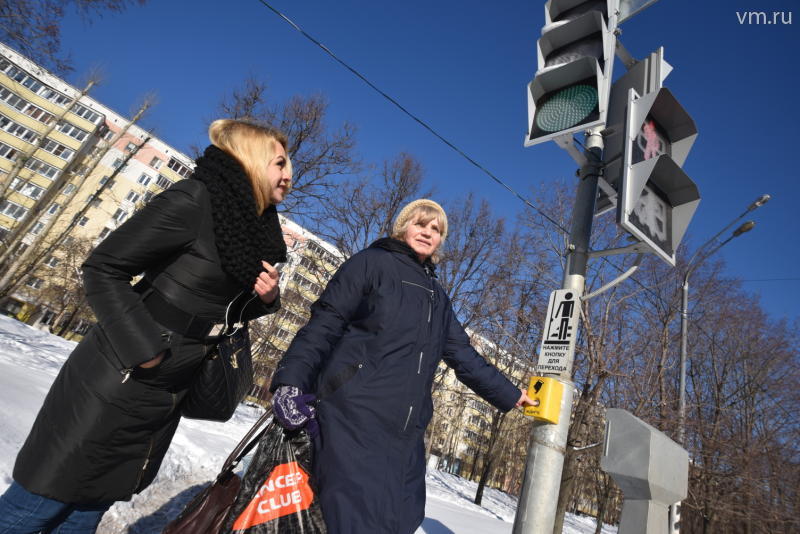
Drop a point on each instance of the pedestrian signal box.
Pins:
(546, 393)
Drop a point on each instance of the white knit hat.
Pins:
(405, 215)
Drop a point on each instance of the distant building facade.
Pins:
(71, 170)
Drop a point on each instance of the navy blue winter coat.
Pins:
(370, 351)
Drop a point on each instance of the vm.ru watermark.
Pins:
(764, 17)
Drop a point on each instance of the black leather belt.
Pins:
(172, 317)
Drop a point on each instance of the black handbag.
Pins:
(224, 378)
(207, 511)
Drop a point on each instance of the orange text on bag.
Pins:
(286, 491)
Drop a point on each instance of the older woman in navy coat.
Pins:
(369, 353)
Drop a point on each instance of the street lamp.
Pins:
(690, 266)
(674, 510)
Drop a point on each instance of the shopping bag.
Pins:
(207, 511)
(277, 495)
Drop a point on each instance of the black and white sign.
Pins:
(560, 332)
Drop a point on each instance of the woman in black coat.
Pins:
(369, 353)
(110, 415)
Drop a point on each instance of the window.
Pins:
(53, 208)
(116, 164)
(291, 317)
(163, 182)
(178, 167)
(156, 163)
(86, 113)
(130, 147)
(108, 135)
(471, 436)
(12, 209)
(283, 334)
(120, 215)
(8, 152)
(480, 406)
(297, 298)
(132, 196)
(34, 282)
(22, 105)
(58, 149)
(13, 307)
(81, 328)
(72, 131)
(12, 99)
(32, 84)
(39, 114)
(52, 261)
(148, 195)
(104, 233)
(17, 130)
(26, 188)
(37, 228)
(305, 283)
(144, 179)
(83, 221)
(54, 96)
(69, 189)
(40, 167)
(48, 318)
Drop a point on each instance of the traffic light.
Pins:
(656, 199)
(575, 57)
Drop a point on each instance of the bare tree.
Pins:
(319, 155)
(362, 210)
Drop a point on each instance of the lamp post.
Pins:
(690, 266)
(674, 513)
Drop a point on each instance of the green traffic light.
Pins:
(566, 108)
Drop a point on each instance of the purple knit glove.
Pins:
(293, 409)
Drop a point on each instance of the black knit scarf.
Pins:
(243, 238)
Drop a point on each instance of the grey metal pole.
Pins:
(536, 511)
(674, 510)
(684, 336)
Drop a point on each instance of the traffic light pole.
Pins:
(536, 511)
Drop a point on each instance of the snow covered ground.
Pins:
(29, 361)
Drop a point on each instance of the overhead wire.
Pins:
(412, 116)
(445, 140)
(432, 131)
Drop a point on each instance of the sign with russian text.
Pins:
(560, 332)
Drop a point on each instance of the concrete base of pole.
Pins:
(643, 516)
(536, 511)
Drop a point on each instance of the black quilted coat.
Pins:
(98, 438)
(370, 352)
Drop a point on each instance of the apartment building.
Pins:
(461, 430)
(311, 264)
(71, 170)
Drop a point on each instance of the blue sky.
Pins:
(463, 67)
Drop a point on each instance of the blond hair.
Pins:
(254, 146)
(423, 210)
